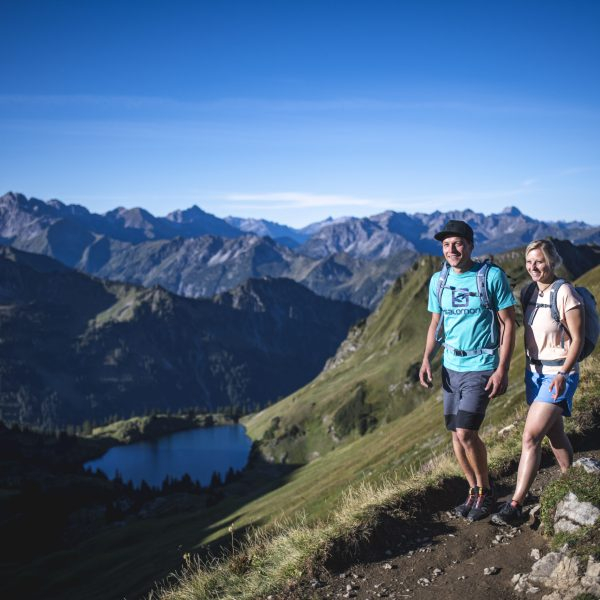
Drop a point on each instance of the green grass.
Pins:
(371, 387)
(270, 558)
(583, 543)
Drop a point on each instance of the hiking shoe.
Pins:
(508, 514)
(483, 505)
(462, 510)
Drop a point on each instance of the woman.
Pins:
(552, 371)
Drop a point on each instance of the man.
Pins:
(477, 317)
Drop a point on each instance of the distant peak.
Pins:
(187, 215)
(54, 203)
(512, 211)
(14, 197)
(193, 210)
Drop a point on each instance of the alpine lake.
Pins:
(198, 452)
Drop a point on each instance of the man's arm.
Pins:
(425, 376)
(498, 382)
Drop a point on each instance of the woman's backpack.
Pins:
(590, 312)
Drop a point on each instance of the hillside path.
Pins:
(439, 556)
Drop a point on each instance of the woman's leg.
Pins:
(541, 418)
(561, 446)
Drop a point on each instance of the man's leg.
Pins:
(469, 450)
(472, 406)
(474, 451)
(463, 460)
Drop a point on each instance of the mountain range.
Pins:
(75, 348)
(193, 253)
(378, 236)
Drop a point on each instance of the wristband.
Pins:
(562, 373)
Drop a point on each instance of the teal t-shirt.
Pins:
(468, 326)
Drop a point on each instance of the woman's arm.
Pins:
(575, 326)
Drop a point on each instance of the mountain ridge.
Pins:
(196, 254)
(416, 230)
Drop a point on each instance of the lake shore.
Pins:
(152, 427)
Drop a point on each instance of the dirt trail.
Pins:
(438, 556)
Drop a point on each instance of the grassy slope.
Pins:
(374, 384)
(390, 342)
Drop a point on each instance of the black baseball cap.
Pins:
(455, 228)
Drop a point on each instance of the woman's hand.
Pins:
(558, 384)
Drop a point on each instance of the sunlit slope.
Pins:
(372, 381)
(591, 280)
(394, 448)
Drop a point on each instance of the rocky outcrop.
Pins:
(571, 514)
(565, 575)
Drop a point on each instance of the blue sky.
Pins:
(297, 110)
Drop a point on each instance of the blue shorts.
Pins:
(537, 389)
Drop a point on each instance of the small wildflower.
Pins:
(231, 529)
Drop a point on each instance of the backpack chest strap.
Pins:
(559, 362)
(477, 352)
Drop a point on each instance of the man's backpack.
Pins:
(486, 304)
(590, 314)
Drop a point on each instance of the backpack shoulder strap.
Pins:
(482, 289)
(553, 299)
(441, 283)
(484, 297)
(526, 295)
(554, 308)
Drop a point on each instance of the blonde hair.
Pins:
(549, 251)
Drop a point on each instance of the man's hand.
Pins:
(425, 376)
(497, 383)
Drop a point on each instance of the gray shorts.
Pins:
(465, 398)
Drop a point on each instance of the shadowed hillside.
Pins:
(75, 348)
